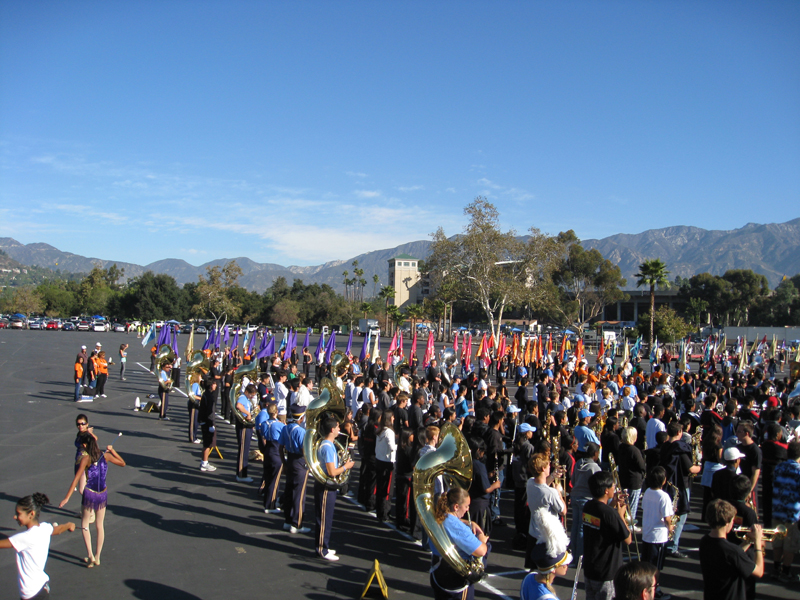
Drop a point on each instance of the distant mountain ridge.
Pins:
(771, 249)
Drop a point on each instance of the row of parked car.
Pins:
(73, 324)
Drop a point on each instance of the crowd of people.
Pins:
(598, 458)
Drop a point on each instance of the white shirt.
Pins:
(280, 397)
(356, 399)
(653, 427)
(304, 397)
(386, 446)
(656, 505)
(32, 546)
(628, 402)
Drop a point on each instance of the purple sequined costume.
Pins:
(95, 495)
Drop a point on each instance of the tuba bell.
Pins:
(250, 371)
(452, 460)
(330, 401)
(165, 356)
(402, 384)
(340, 364)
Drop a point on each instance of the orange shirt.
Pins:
(78, 372)
(102, 366)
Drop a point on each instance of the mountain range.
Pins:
(771, 249)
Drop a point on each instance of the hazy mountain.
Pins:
(772, 249)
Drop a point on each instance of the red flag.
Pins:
(455, 344)
(413, 352)
(549, 343)
(501, 347)
(540, 349)
(561, 349)
(392, 347)
(429, 351)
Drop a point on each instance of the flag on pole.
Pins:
(268, 349)
(562, 351)
(376, 348)
(392, 347)
(227, 337)
(320, 348)
(151, 335)
(175, 342)
(429, 351)
(549, 344)
(349, 344)
(626, 352)
(308, 339)
(654, 355)
(284, 340)
(501, 347)
(455, 344)
(364, 348)
(253, 343)
(331, 348)
(235, 345)
(190, 344)
(287, 349)
(412, 353)
(400, 345)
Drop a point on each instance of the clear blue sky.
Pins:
(302, 132)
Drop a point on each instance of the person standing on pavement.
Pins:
(123, 359)
(205, 416)
(294, 492)
(164, 386)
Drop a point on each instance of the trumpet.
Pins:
(768, 535)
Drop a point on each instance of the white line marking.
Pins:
(509, 573)
(145, 368)
(176, 389)
(494, 590)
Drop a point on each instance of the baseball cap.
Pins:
(83, 347)
(732, 454)
(525, 428)
(513, 409)
(297, 409)
(585, 413)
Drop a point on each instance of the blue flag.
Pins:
(151, 335)
(320, 346)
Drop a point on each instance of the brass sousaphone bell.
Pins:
(330, 401)
(453, 461)
(250, 371)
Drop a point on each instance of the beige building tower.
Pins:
(404, 276)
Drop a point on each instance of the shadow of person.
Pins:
(150, 589)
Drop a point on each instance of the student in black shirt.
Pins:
(481, 489)
(724, 565)
(604, 532)
(745, 517)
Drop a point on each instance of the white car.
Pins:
(99, 326)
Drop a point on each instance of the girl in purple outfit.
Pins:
(95, 495)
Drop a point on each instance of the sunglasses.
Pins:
(82, 424)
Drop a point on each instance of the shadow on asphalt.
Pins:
(150, 589)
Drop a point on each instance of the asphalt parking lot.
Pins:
(173, 531)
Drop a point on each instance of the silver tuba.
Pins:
(165, 356)
(249, 370)
(452, 460)
(331, 401)
(449, 360)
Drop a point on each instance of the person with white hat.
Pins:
(550, 556)
(721, 481)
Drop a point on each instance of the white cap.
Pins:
(83, 347)
(98, 344)
(732, 454)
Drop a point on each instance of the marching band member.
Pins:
(550, 556)
(449, 511)
(164, 384)
(270, 429)
(243, 435)
(324, 496)
(294, 492)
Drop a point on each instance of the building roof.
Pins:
(403, 257)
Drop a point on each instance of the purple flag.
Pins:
(308, 338)
(175, 342)
(263, 341)
(320, 346)
(267, 350)
(235, 339)
(253, 343)
(288, 351)
(331, 348)
(207, 343)
(227, 335)
(349, 343)
(363, 356)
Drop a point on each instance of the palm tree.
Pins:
(652, 273)
(393, 313)
(365, 308)
(387, 293)
(346, 282)
(414, 313)
(375, 281)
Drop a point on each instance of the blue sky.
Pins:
(303, 132)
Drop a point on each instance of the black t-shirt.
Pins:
(400, 418)
(751, 460)
(480, 481)
(725, 567)
(603, 534)
(721, 484)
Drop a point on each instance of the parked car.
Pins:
(54, 324)
(68, 326)
(36, 324)
(186, 329)
(119, 327)
(84, 326)
(200, 329)
(3, 323)
(18, 324)
(100, 326)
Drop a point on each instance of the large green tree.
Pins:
(492, 268)
(213, 292)
(586, 282)
(652, 273)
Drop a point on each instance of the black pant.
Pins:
(294, 493)
(192, 422)
(164, 395)
(367, 481)
(273, 466)
(522, 514)
(405, 509)
(101, 383)
(243, 448)
(324, 503)
(383, 494)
